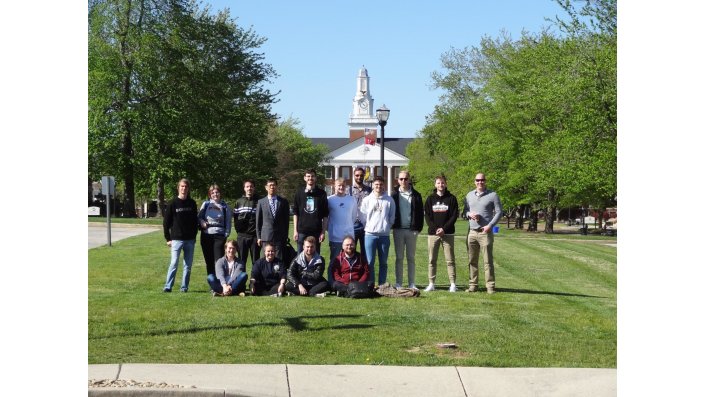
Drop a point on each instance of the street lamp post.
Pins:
(382, 117)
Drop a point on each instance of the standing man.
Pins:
(482, 209)
(310, 212)
(408, 222)
(377, 214)
(272, 218)
(245, 219)
(180, 229)
(342, 214)
(441, 212)
(359, 190)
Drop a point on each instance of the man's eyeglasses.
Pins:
(403, 179)
(479, 180)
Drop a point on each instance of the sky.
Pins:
(318, 47)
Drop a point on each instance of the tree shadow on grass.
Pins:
(299, 324)
(296, 323)
(534, 292)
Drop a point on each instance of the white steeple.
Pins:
(362, 115)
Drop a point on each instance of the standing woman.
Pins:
(214, 217)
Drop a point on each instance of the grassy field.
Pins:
(555, 307)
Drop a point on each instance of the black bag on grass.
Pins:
(289, 253)
(359, 290)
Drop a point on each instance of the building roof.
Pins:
(396, 144)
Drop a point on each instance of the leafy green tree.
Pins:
(537, 114)
(295, 153)
(175, 91)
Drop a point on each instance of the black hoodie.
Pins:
(441, 211)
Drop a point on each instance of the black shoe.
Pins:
(167, 290)
(184, 290)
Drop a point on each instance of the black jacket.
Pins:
(416, 210)
(267, 274)
(441, 211)
(244, 215)
(302, 272)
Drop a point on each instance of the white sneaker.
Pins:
(321, 295)
(430, 287)
(412, 286)
(452, 288)
(397, 285)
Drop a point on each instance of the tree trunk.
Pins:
(519, 223)
(160, 198)
(550, 212)
(128, 172)
(533, 221)
(550, 218)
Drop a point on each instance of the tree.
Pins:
(175, 91)
(537, 114)
(295, 153)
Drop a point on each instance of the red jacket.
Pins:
(344, 273)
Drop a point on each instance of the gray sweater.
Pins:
(221, 270)
(487, 205)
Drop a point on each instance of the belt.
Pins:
(479, 229)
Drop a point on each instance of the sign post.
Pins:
(108, 189)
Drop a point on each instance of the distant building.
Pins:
(362, 147)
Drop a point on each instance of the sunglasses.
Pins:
(479, 180)
(403, 179)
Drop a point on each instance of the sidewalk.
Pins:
(98, 232)
(283, 380)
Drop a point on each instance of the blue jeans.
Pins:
(372, 244)
(335, 249)
(360, 236)
(238, 284)
(176, 247)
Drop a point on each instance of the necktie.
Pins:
(272, 206)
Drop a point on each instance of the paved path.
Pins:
(98, 232)
(286, 380)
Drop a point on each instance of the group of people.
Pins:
(358, 214)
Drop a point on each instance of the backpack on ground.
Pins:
(389, 291)
(359, 290)
(289, 253)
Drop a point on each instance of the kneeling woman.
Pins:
(230, 276)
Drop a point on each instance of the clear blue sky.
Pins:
(317, 47)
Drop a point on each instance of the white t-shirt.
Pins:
(342, 213)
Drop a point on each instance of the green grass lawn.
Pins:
(555, 306)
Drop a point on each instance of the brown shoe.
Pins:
(471, 289)
(490, 290)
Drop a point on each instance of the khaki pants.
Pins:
(481, 242)
(448, 243)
